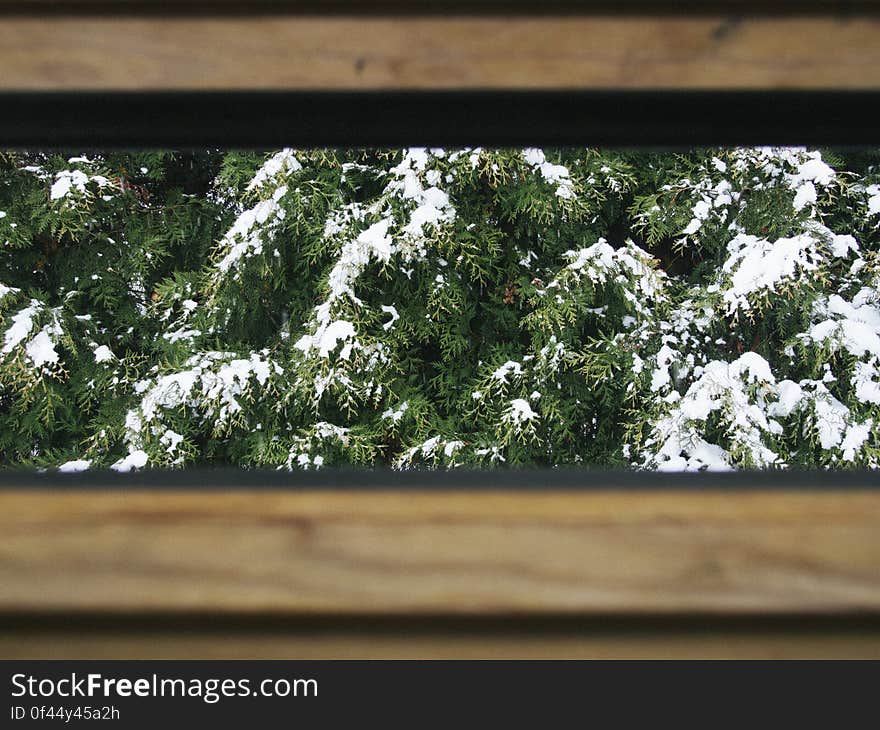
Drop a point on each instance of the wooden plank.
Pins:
(457, 553)
(46, 53)
(607, 639)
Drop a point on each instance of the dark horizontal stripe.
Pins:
(656, 119)
(565, 479)
(830, 8)
(89, 623)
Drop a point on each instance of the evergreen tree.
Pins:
(424, 307)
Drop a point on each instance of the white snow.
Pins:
(246, 236)
(326, 338)
(511, 366)
(558, 175)
(372, 243)
(426, 449)
(805, 195)
(325, 430)
(171, 440)
(67, 181)
(4, 290)
(719, 388)
(181, 335)
(135, 460)
(432, 449)
(790, 397)
(660, 377)
(433, 206)
(751, 367)
(519, 412)
(22, 324)
(811, 171)
(865, 381)
(103, 354)
(377, 243)
(831, 419)
(854, 326)
(451, 447)
(282, 163)
(701, 455)
(842, 245)
(211, 385)
(814, 170)
(700, 213)
(629, 266)
(756, 265)
(856, 435)
(534, 156)
(41, 349)
(395, 415)
(389, 309)
(873, 192)
(75, 465)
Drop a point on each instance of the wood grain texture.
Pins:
(456, 553)
(464, 52)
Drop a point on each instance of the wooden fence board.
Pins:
(46, 53)
(404, 553)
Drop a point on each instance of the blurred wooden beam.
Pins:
(41, 52)
(307, 553)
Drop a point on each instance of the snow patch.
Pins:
(519, 412)
(103, 354)
(246, 236)
(135, 460)
(558, 175)
(75, 466)
(282, 163)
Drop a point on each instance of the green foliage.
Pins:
(713, 309)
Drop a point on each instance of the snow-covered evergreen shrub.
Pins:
(424, 307)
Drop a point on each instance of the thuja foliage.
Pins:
(423, 307)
